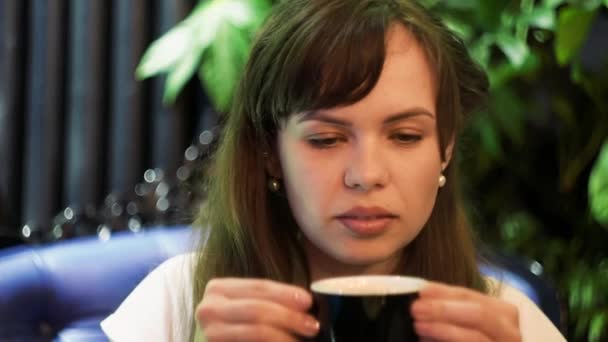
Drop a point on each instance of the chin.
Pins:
(364, 259)
(357, 256)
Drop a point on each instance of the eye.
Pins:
(406, 138)
(325, 141)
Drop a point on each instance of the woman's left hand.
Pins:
(451, 313)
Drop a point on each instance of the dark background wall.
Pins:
(77, 131)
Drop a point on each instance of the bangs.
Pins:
(341, 66)
(325, 55)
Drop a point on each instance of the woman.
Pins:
(336, 160)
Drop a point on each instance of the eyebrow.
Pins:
(318, 115)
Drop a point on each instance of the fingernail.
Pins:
(420, 310)
(311, 325)
(422, 328)
(302, 298)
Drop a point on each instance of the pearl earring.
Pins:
(274, 185)
(442, 180)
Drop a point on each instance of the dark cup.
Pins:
(365, 308)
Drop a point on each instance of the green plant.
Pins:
(212, 41)
(535, 159)
(537, 181)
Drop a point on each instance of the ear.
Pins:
(449, 149)
(272, 164)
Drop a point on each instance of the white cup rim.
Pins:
(368, 285)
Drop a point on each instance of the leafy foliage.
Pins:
(533, 169)
(535, 178)
(598, 188)
(214, 39)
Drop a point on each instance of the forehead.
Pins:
(407, 80)
(407, 75)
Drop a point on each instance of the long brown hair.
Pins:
(314, 54)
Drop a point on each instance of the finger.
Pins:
(439, 331)
(246, 333)
(438, 290)
(255, 311)
(508, 312)
(472, 314)
(290, 296)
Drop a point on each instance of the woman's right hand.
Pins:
(238, 309)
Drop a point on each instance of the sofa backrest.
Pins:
(46, 289)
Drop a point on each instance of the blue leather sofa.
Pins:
(60, 292)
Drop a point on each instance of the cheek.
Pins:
(417, 181)
(307, 181)
(427, 192)
(298, 169)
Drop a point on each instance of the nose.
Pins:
(366, 169)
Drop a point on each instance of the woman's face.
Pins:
(362, 179)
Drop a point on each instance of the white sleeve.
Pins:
(533, 323)
(160, 307)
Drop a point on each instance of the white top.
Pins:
(160, 308)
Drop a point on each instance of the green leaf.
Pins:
(501, 74)
(598, 188)
(588, 294)
(224, 60)
(508, 114)
(176, 45)
(516, 50)
(553, 3)
(480, 50)
(504, 72)
(490, 139)
(573, 24)
(590, 4)
(178, 53)
(574, 289)
(223, 65)
(165, 52)
(462, 29)
(541, 17)
(429, 3)
(598, 324)
(241, 13)
(519, 227)
(259, 9)
(180, 75)
(489, 14)
(462, 4)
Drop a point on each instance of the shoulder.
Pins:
(534, 325)
(160, 305)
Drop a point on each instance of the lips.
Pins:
(366, 221)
